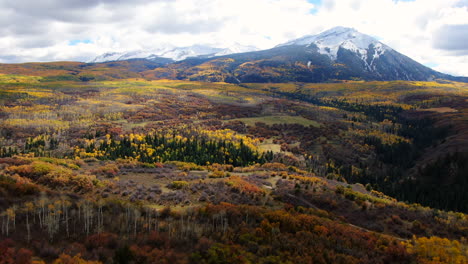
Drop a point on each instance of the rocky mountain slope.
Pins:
(336, 54)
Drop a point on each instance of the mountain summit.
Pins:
(331, 41)
(364, 56)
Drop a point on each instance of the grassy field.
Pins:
(278, 119)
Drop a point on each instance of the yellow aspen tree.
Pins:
(65, 208)
(28, 207)
(136, 214)
(10, 214)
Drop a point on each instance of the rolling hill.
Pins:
(287, 155)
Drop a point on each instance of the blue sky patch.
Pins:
(78, 41)
(431, 64)
(317, 4)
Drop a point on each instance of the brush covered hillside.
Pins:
(332, 56)
(121, 169)
(339, 53)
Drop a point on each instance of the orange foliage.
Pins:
(244, 186)
(147, 254)
(309, 180)
(66, 259)
(275, 166)
(101, 240)
(436, 250)
(10, 255)
(109, 170)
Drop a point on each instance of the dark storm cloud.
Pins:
(29, 6)
(26, 17)
(9, 58)
(172, 22)
(34, 42)
(43, 23)
(72, 11)
(16, 24)
(453, 38)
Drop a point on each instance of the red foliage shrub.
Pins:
(17, 187)
(23, 256)
(14, 161)
(157, 239)
(108, 240)
(74, 249)
(10, 255)
(109, 170)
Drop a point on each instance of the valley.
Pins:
(116, 168)
(234, 132)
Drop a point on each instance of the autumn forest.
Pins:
(102, 164)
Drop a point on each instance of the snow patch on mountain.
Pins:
(236, 48)
(330, 41)
(174, 53)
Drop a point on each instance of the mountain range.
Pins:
(125, 160)
(173, 53)
(339, 53)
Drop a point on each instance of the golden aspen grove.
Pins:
(150, 171)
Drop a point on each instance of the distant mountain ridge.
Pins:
(330, 41)
(337, 54)
(173, 53)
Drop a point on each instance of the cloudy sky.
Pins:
(433, 32)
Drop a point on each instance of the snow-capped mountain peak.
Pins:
(330, 41)
(174, 53)
(236, 48)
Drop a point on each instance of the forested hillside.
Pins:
(119, 169)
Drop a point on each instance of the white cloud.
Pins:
(42, 32)
(410, 27)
